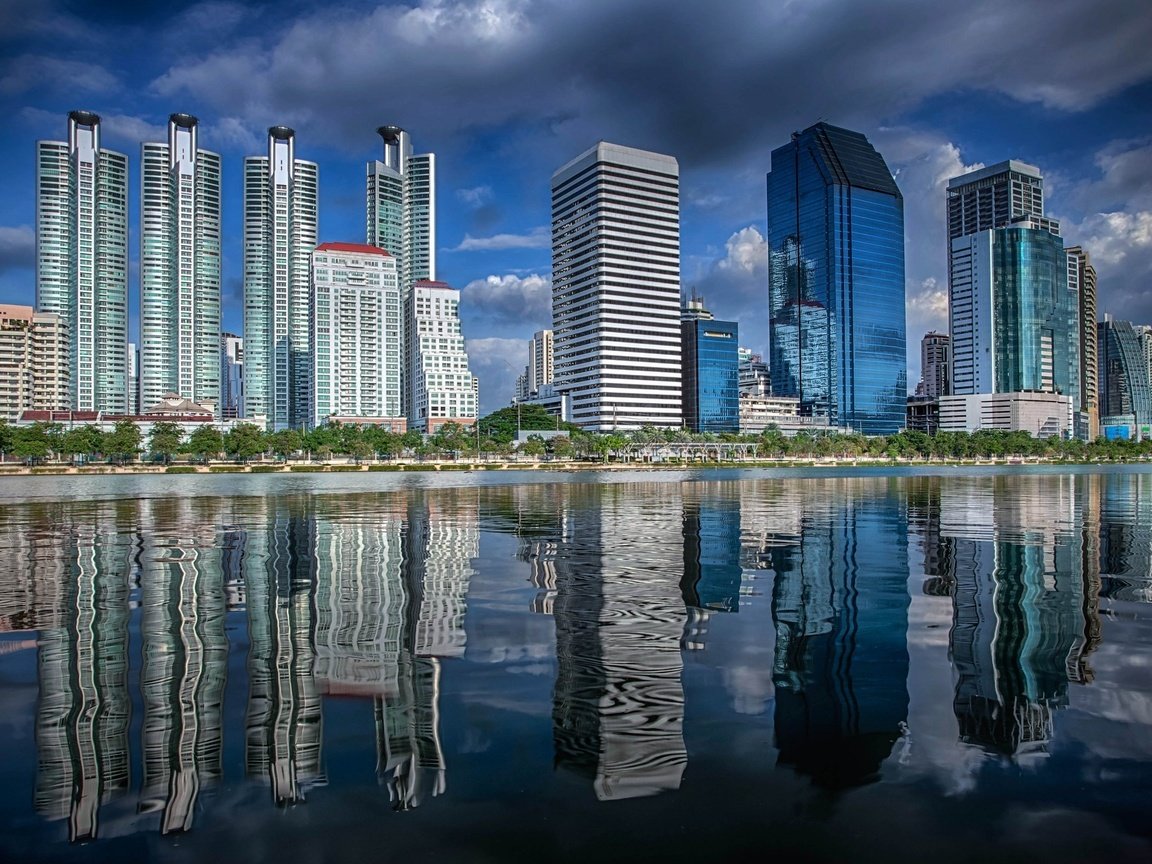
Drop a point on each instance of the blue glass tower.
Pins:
(836, 280)
(711, 365)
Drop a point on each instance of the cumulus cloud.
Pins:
(537, 238)
(476, 196)
(523, 299)
(734, 285)
(497, 363)
(17, 248)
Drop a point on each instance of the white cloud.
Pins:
(734, 285)
(475, 196)
(537, 238)
(496, 362)
(39, 74)
(17, 248)
(521, 299)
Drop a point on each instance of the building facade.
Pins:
(710, 351)
(441, 387)
(82, 259)
(355, 333)
(1082, 287)
(1042, 415)
(836, 280)
(280, 232)
(180, 267)
(1123, 386)
(231, 376)
(540, 361)
(34, 352)
(616, 288)
(936, 364)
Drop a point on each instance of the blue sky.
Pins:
(505, 91)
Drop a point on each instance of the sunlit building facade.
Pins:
(709, 349)
(836, 280)
(441, 387)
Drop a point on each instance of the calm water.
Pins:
(680, 667)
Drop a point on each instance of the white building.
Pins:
(355, 333)
(441, 388)
(231, 376)
(616, 288)
(82, 259)
(758, 413)
(540, 368)
(1043, 415)
(180, 267)
(33, 361)
(280, 233)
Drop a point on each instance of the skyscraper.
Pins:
(1124, 386)
(441, 387)
(280, 232)
(711, 370)
(836, 280)
(1082, 286)
(82, 259)
(540, 361)
(180, 268)
(936, 364)
(1014, 322)
(402, 216)
(231, 376)
(616, 288)
(356, 336)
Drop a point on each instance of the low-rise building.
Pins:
(1041, 414)
(758, 413)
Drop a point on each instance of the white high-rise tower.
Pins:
(280, 234)
(616, 288)
(180, 268)
(82, 259)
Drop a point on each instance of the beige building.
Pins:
(1043, 415)
(33, 361)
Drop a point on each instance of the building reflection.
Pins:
(618, 703)
(84, 707)
(840, 607)
(712, 572)
(1126, 538)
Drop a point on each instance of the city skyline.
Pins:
(1081, 118)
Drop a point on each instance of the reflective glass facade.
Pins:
(1124, 386)
(711, 382)
(836, 283)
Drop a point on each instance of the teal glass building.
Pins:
(711, 364)
(836, 280)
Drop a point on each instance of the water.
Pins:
(677, 666)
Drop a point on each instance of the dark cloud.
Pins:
(525, 301)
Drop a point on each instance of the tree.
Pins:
(123, 442)
(205, 442)
(7, 438)
(30, 442)
(164, 440)
(384, 442)
(83, 441)
(285, 442)
(412, 439)
(534, 446)
(244, 441)
(562, 447)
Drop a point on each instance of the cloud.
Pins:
(497, 363)
(17, 248)
(38, 74)
(521, 299)
(734, 285)
(475, 196)
(537, 238)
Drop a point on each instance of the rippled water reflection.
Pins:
(825, 667)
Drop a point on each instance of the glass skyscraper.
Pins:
(180, 268)
(710, 351)
(836, 280)
(280, 233)
(82, 259)
(1124, 386)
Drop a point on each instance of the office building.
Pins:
(1082, 286)
(1042, 415)
(402, 207)
(753, 374)
(935, 365)
(231, 376)
(710, 378)
(540, 365)
(180, 267)
(993, 197)
(441, 388)
(836, 280)
(356, 333)
(34, 351)
(616, 288)
(1123, 386)
(280, 233)
(82, 259)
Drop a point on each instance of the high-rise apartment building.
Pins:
(231, 376)
(710, 352)
(133, 378)
(1014, 317)
(540, 360)
(1082, 287)
(936, 364)
(180, 267)
(356, 333)
(82, 259)
(34, 351)
(280, 234)
(441, 387)
(836, 280)
(616, 288)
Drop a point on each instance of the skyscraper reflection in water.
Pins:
(840, 606)
(618, 705)
(711, 569)
(84, 707)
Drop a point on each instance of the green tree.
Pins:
(30, 442)
(123, 442)
(562, 447)
(286, 442)
(412, 439)
(534, 446)
(324, 438)
(84, 441)
(244, 441)
(383, 441)
(164, 440)
(7, 438)
(205, 443)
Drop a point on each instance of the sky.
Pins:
(506, 91)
